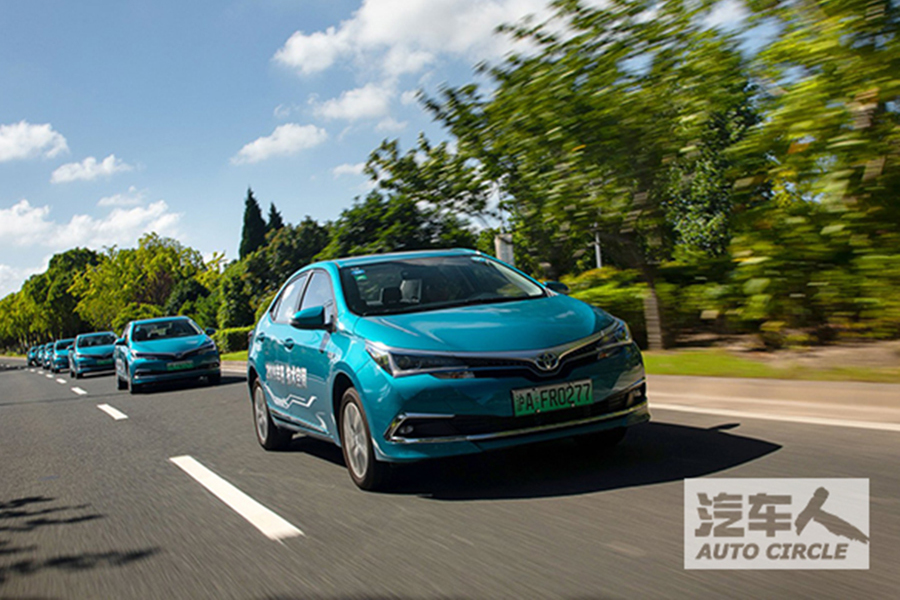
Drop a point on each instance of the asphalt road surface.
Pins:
(92, 505)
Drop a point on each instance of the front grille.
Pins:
(434, 428)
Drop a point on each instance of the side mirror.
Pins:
(210, 331)
(557, 286)
(310, 318)
(120, 342)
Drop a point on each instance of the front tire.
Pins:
(269, 435)
(367, 472)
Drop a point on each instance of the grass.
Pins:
(240, 355)
(720, 363)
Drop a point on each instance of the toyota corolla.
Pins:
(410, 356)
(92, 353)
(164, 349)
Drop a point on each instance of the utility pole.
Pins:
(598, 255)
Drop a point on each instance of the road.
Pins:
(92, 506)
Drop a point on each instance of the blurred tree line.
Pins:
(733, 186)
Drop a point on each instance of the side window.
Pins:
(319, 292)
(287, 303)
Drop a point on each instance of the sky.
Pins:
(121, 117)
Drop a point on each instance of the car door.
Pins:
(307, 383)
(274, 336)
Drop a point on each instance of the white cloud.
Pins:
(89, 169)
(132, 197)
(409, 97)
(348, 169)
(24, 225)
(287, 139)
(404, 36)
(368, 102)
(391, 125)
(24, 140)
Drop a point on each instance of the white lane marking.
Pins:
(269, 523)
(79, 391)
(61, 381)
(49, 376)
(746, 414)
(115, 414)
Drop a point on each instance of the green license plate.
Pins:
(105, 361)
(545, 398)
(180, 366)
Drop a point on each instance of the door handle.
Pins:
(289, 343)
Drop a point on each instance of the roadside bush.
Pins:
(232, 339)
(617, 292)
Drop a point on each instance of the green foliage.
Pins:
(253, 233)
(381, 224)
(232, 339)
(234, 308)
(275, 221)
(618, 292)
(134, 311)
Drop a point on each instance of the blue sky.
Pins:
(120, 117)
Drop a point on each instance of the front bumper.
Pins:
(92, 365)
(157, 373)
(431, 418)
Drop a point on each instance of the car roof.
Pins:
(160, 320)
(353, 261)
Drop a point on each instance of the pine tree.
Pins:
(275, 221)
(253, 234)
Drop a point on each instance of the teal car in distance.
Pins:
(32, 356)
(46, 355)
(92, 353)
(164, 349)
(59, 355)
(418, 355)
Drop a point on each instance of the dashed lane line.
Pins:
(115, 414)
(270, 524)
(61, 381)
(79, 391)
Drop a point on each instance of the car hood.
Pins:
(176, 345)
(501, 327)
(95, 350)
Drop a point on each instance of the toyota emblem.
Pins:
(547, 361)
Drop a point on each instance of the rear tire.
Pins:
(269, 435)
(366, 471)
(121, 384)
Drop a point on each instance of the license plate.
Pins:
(546, 398)
(105, 361)
(180, 366)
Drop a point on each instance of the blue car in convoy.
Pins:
(46, 355)
(410, 356)
(92, 353)
(32, 356)
(59, 355)
(164, 349)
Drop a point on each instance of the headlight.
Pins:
(399, 363)
(616, 335)
(208, 347)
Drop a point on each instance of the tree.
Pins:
(275, 221)
(253, 234)
(581, 134)
(380, 224)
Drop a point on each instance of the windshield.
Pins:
(62, 345)
(160, 330)
(415, 284)
(105, 339)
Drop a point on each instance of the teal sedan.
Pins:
(59, 355)
(164, 349)
(92, 353)
(412, 356)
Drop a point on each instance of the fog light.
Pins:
(405, 429)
